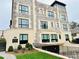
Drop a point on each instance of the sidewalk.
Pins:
(7, 56)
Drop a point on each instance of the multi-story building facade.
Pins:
(75, 33)
(38, 23)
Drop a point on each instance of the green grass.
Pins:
(1, 57)
(36, 55)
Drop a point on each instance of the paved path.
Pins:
(7, 56)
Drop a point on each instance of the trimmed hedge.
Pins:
(29, 46)
(19, 47)
(10, 49)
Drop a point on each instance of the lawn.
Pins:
(36, 55)
(1, 57)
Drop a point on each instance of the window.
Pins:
(45, 37)
(44, 25)
(67, 37)
(65, 27)
(57, 25)
(23, 38)
(50, 14)
(54, 37)
(52, 24)
(23, 23)
(23, 9)
(63, 17)
(59, 36)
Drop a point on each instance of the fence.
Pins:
(71, 52)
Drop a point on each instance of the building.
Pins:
(75, 33)
(39, 24)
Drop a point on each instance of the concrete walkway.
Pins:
(7, 56)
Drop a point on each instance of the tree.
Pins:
(78, 25)
(2, 40)
(73, 24)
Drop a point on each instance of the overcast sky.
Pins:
(5, 10)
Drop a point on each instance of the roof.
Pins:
(57, 2)
(75, 30)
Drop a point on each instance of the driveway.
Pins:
(7, 56)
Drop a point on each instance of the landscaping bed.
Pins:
(29, 53)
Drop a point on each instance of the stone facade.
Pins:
(35, 16)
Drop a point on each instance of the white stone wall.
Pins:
(11, 33)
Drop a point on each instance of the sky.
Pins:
(5, 11)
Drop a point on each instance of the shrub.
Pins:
(29, 46)
(2, 40)
(19, 47)
(10, 49)
(23, 50)
(73, 41)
